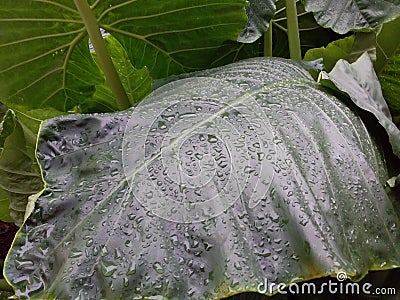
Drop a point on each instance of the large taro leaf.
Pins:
(211, 186)
(44, 55)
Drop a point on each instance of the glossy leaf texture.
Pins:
(341, 16)
(19, 175)
(44, 55)
(260, 14)
(361, 83)
(214, 184)
(345, 15)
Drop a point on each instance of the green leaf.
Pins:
(5, 215)
(137, 83)
(18, 176)
(381, 45)
(44, 54)
(311, 34)
(5, 289)
(360, 82)
(332, 53)
(349, 48)
(209, 187)
(260, 14)
(387, 63)
(390, 81)
(30, 121)
(235, 51)
(388, 43)
(173, 37)
(344, 15)
(4, 201)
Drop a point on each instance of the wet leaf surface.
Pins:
(345, 15)
(209, 187)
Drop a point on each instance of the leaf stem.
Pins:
(293, 29)
(279, 26)
(268, 41)
(104, 58)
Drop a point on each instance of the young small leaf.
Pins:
(18, 176)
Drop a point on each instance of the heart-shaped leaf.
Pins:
(44, 55)
(211, 186)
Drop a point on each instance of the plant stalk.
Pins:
(293, 29)
(103, 56)
(268, 41)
